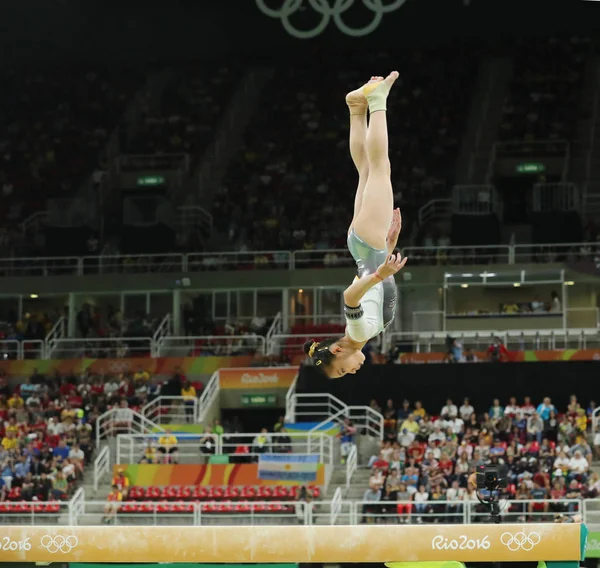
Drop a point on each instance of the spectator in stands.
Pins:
(112, 507)
(545, 408)
(188, 392)
(121, 482)
(535, 427)
(578, 467)
(261, 443)
(497, 352)
(123, 417)
(283, 443)
(167, 447)
(449, 411)
(466, 410)
(372, 495)
(346, 435)
(60, 487)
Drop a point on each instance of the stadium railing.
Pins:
(219, 345)
(463, 512)
(101, 466)
(79, 511)
(287, 260)
(123, 421)
(330, 410)
(301, 443)
(514, 340)
(130, 447)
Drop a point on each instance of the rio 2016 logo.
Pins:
(329, 12)
(461, 542)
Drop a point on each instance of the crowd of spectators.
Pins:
(186, 118)
(292, 187)
(543, 103)
(56, 124)
(428, 458)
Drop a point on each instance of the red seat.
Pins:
(153, 493)
(280, 492)
(232, 492)
(248, 492)
(265, 492)
(185, 493)
(200, 492)
(216, 493)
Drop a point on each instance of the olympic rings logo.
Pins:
(520, 541)
(59, 543)
(327, 13)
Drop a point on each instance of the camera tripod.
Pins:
(492, 504)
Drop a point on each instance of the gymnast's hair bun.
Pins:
(306, 347)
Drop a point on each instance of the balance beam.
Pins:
(282, 544)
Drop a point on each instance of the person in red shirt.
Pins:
(497, 352)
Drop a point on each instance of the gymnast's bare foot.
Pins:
(357, 101)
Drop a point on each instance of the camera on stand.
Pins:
(492, 479)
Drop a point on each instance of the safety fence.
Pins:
(79, 511)
(289, 260)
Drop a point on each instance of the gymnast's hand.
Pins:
(393, 264)
(394, 232)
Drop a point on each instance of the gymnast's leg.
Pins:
(358, 107)
(373, 220)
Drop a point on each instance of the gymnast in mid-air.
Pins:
(370, 301)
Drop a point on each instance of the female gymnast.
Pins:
(370, 301)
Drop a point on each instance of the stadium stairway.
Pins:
(484, 120)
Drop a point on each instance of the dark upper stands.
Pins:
(545, 91)
(188, 113)
(56, 124)
(293, 185)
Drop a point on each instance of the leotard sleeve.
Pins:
(364, 321)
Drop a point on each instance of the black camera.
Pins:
(492, 477)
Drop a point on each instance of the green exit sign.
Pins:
(530, 168)
(151, 180)
(259, 400)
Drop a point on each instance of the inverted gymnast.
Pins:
(370, 301)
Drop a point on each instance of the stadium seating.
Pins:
(293, 184)
(57, 124)
(188, 113)
(544, 96)
(214, 500)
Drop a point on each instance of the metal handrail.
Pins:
(99, 264)
(101, 466)
(208, 397)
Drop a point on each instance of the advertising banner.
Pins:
(147, 475)
(258, 378)
(277, 543)
(154, 366)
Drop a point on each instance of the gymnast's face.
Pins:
(346, 361)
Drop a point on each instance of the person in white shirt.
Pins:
(420, 498)
(562, 461)
(527, 409)
(449, 410)
(436, 436)
(457, 425)
(370, 301)
(512, 410)
(466, 410)
(578, 464)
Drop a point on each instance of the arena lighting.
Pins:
(517, 284)
(569, 283)
(467, 275)
(301, 291)
(488, 274)
(33, 296)
(464, 285)
(276, 544)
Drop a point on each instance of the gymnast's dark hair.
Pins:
(319, 353)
